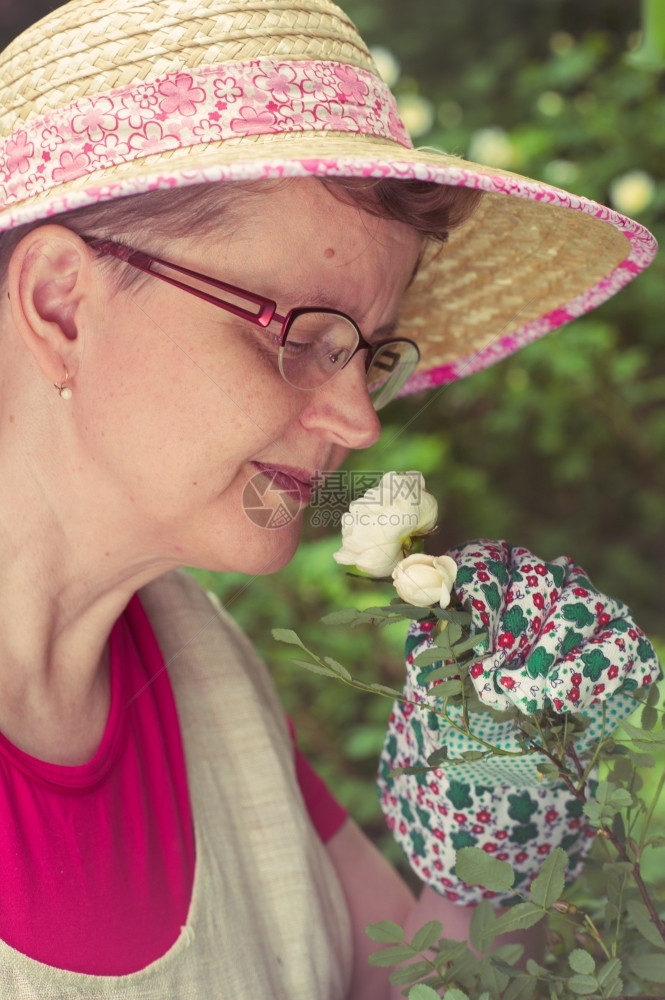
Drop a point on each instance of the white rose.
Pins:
(425, 580)
(378, 527)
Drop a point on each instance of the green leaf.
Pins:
(443, 673)
(438, 757)
(641, 759)
(547, 887)
(315, 668)
(649, 717)
(581, 961)
(476, 867)
(392, 956)
(347, 616)
(412, 769)
(548, 770)
(508, 955)
(451, 951)
(470, 643)
(653, 697)
(400, 608)
(645, 925)
(398, 611)
(381, 688)
(427, 993)
(491, 977)
(337, 668)
(583, 985)
(408, 974)
(433, 654)
(385, 932)
(446, 689)
(458, 617)
(428, 934)
(649, 967)
(621, 798)
(521, 988)
(608, 975)
(519, 917)
(288, 635)
(644, 739)
(483, 916)
(453, 633)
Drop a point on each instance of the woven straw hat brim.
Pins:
(531, 258)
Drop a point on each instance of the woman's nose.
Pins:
(342, 408)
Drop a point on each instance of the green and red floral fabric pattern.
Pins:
(554, 642)
(554, 639)
(433, 815)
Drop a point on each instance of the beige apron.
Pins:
(267, 917)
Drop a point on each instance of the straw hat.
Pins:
(102, 100)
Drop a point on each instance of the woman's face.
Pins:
(181, 404)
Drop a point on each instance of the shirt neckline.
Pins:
(82, 776)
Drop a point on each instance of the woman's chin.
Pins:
(260, 552)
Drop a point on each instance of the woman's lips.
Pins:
(297, 483)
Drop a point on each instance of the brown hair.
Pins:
(431, 209)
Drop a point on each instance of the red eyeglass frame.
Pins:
(266, 308)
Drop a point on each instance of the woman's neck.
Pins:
(64, 581)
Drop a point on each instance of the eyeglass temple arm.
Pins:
(144, 262)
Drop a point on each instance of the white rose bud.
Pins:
(425, 580)
(378, 527)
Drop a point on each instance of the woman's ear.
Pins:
(47, 281)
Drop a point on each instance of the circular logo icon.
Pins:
(269, 501)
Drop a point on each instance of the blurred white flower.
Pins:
(417, 113)
(378, 527)
(492, 146)
(425, 580)
(387, 65)
(632, 192)
(550, 103)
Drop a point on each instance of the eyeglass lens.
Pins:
(318, 345)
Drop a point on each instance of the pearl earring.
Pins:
(63, 389)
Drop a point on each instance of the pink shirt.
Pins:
(97, 860)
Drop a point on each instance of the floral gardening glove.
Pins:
(553, 643)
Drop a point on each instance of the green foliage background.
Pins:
(560, 448)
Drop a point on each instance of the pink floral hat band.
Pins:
(216, 104)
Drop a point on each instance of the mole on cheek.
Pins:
(329, 252)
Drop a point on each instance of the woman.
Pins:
(156, 842)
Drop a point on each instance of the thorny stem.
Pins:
(652, 807)
(594, 758)
(570, 749)
(427, 705)
(639, 881)
(609, 835)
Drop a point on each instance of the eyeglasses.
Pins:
(313, 344)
